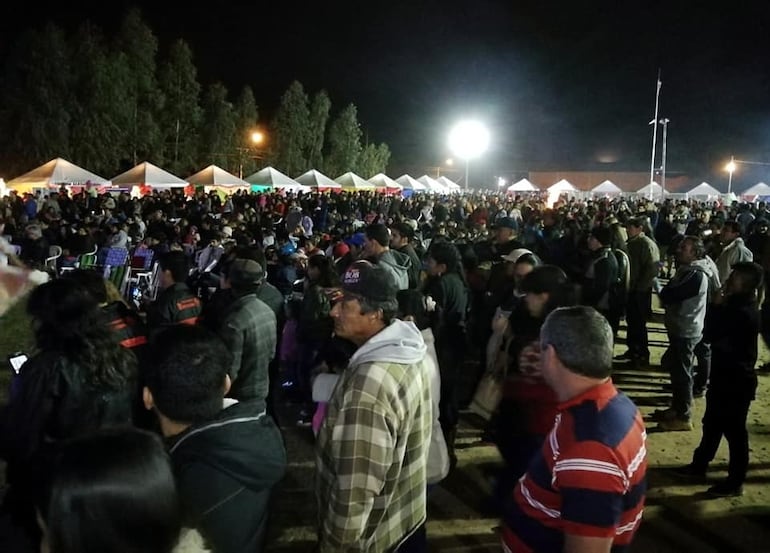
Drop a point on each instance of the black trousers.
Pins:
(638, 312)
(727, 408)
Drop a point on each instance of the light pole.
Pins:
(664, 122)
(256, 138)
(730, 168)
(468, 140)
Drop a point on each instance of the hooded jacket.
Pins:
(226, 469)
(399, 265)
(685, 298)
(372, 448)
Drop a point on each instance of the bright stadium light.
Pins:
(468, 140)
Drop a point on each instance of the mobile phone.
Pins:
(16, 360)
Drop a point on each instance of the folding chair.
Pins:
(54, 253)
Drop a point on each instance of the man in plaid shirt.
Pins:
(372, 447)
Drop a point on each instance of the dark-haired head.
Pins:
(187, 375)
(322, 271)
(67, 321)
(547, 287)
(112, 492)
(174, 267)
(444, 258)
(745, 280)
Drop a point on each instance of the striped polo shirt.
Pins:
(588, 480)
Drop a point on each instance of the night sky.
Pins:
(561, 86)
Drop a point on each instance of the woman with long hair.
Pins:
(77, 380)
(528, 407)
(315, 326)
(447, 286)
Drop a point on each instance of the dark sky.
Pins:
(561, 85)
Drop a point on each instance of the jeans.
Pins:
(638, 311)
(727, 408)
(678, 360)
(703, 368)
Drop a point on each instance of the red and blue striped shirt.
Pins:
(588, 480)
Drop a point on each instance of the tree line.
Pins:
(109, 104)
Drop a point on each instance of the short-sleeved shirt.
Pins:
(588, 480)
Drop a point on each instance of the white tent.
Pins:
(53, 174)
(318, 181)
(408, 183)
(432, 184)
(653, 189)
(562, 186)
(704, 189)
(381, 180)
(759, 189)
(274, 178)
(522, 186)
(150, 175)
(606, 187)
(351, 181)
(448, 184)
(217, 177)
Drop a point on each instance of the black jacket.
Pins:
(226, 470)
(732, 328)
(174, 305)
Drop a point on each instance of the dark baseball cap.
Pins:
(244, 272)
(364, 279)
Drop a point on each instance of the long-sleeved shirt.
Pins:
(643, 257)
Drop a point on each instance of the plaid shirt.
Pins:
(250, 331)
(371, 457)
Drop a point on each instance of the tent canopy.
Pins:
(351, 181)
(522, 186)
(409, 183)
(381, 180)
(319, 181)
(272, 177)
(216, 176)
(449, 184)
(562, 186)
(432, 184)
(148, 174)
(607, 187)
(653, 188)
(704, 189)
(759, 189)
(55, 173)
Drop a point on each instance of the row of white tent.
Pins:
(59, 172)
(703, 190)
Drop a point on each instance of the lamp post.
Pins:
(730, 168)
(664, 122)
(256, 138)
(468, 140)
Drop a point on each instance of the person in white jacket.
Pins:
(733, 250)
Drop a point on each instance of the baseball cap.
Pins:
(245, 271)
(507, 222)
(364, 279)
(340, 250)
(514, 256)
(358, 240)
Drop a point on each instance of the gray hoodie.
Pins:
(399, 265)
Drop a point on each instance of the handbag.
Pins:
(489, 391)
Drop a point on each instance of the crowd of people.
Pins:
(369, 312)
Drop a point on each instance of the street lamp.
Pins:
(730, 168)
(468, 140)
(664, 122)
(256, 138)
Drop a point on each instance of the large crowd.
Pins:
(145, 417)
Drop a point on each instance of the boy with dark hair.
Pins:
(732, 326)
(227, 455)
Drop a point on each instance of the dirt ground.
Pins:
(678, 518)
